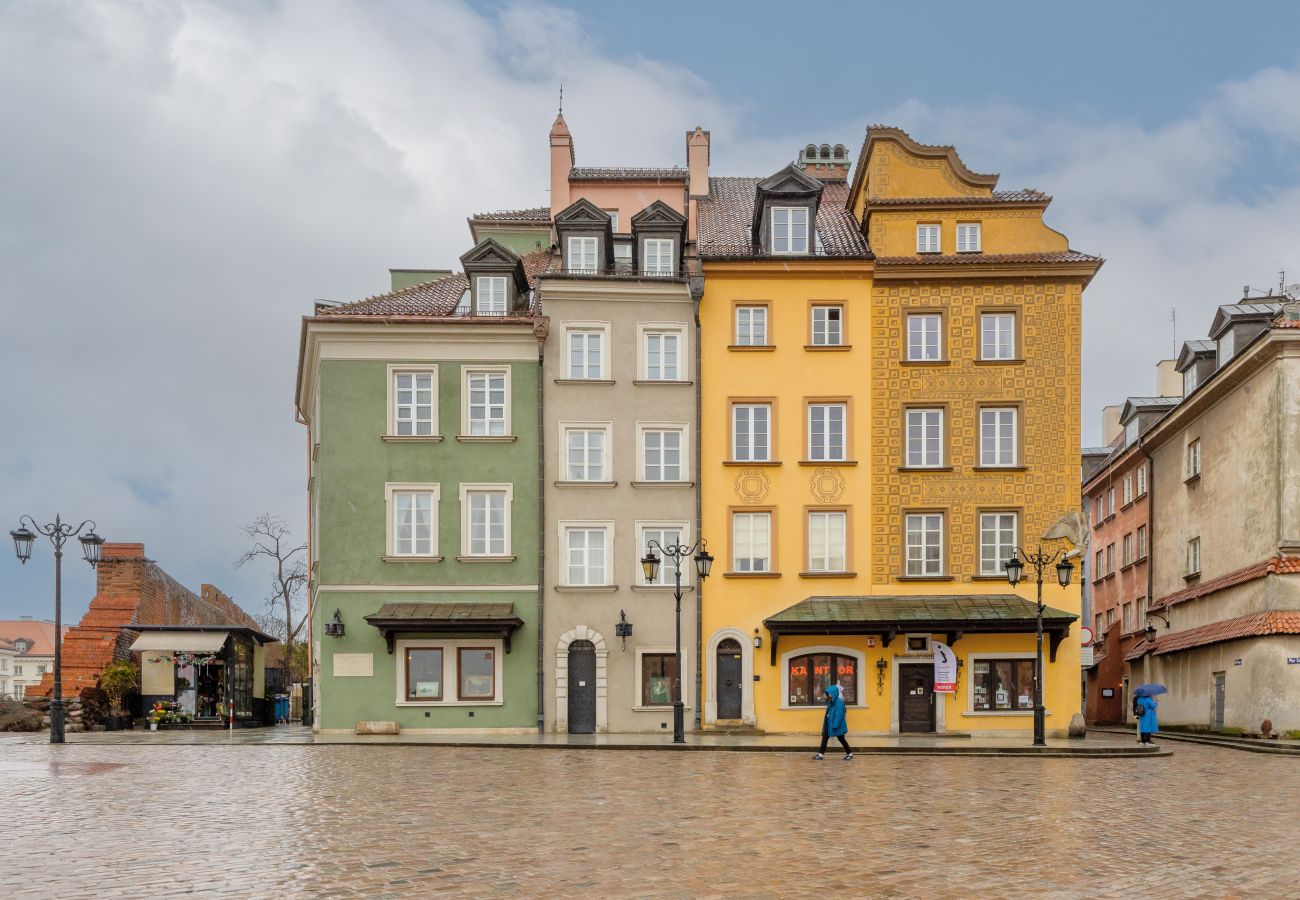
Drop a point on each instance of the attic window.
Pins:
(1226, 347)
(462, 305)
(491, 295)
(789, 229)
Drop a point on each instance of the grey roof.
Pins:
(1135, 405)
(907, 609)
(726, 220)
(1025, 195)
(626, 173)
(1231, 313)
(446, 612)
(1095, 451)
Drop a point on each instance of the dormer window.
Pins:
(462, 305)
(789, 229)
(580, 255)
(1226, 348)
(491, 295)
(1189, 381)
(659, 256)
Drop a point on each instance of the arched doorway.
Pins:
(730, 687)
(582, 687)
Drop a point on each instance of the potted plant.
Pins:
(117, 680)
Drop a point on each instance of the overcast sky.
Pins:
(178, 181)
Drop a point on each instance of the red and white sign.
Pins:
(945, 669)
(1086, 636)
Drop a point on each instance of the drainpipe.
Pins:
(697, 291)
(541, 540)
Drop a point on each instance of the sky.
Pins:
(179, 180)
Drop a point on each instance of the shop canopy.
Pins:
(191, 641)
(889, 616)
(393, 619)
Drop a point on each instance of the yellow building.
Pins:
(890, 392)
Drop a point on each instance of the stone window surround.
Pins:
(859, 657)
(390, 523)
(969, 672)
(465, 373)
(450, 662)
(466, 488)
(604, 328)
(683, 356)
(607, 461)
(642, 428)
(685, 677)
(562, 527)
(688, 566)
(395, 369)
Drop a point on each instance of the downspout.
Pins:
(1151, 546)
(541, 538)
(697, 291)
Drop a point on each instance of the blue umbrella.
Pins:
(1150, 690)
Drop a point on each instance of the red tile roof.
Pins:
(626, 173)
(1025, 195)
(975, 259)
(1278, 565)
(726, 220)
(1283, 322)
(432, 298)
(1261, 624)
(39, 633)
(538, 214)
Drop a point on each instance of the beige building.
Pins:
(1225, 511)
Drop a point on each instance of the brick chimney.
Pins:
(697, 164)
(562, 160)
(826, 162)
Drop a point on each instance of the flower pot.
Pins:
(153, 726)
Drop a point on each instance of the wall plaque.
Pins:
(354, 665)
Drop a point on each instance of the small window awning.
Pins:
(890, 616)
(191, 641)
(393, 619)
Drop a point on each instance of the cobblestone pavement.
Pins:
(273, 821)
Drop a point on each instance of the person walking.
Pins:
(1147, 724)
(834, 724)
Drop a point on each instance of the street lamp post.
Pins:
(1015, 568)
(91, 546)
(678, 553)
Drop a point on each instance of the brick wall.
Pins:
(132, 589)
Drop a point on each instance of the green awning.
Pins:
(889, 616)
(393, 619)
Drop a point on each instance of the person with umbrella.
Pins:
(1144, 703)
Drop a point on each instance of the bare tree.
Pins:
(273, 541)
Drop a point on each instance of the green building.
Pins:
(422, 409)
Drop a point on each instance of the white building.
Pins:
(33, 641)
(8, 652)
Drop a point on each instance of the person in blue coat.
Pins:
(834, 724)
(1147, 724)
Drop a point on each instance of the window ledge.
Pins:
(475, 559)
(413, 438)
(820, 707)
(988, 577)
(751, 574)
(998, 712)
(411, 559)
(661, 382)
(924, 577)
(660, 588)
(586, 588)
(587, 484)
(997, 468)
(583, 381)
(1191, 576)
(1124, 506)
(925, 468)
(823, 348)
(751, 348)
(1192, 479)
(998, 362)
(664, 708)
(969, 252)
(434, 704)
(1127, 566)
(485, 438)
(828, 574)
(925, 362)
(663, 484)
(828, 462)
(751, 463)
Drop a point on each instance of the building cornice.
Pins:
(793, 267)
(985, 271)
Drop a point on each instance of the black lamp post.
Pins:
(1015, 568)
(678, 553)
(91, 547)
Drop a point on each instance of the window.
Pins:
(826, 431)
(751, 432)
(1131, 431)
(998, 336)
(1110, 559)
(622, 255)
(1128, 489)
(476, 672)
(1099, 569)
(1126, 558)
(491, 295)
(423, 673)
(662, 354)
(1097, 622)
(413, 519)
(827, 326)
(1002, 684)
(586, 555)
(658, 257)
(924, 438)
(827, 541)
(1110, 617)
(462, 305)
(1194, 556)
(1142, 480)
(924, 544)
(998, 437)
(1110, 502)
(1142, 542)
(751, 542)
(1141, 610)
(789, 229)
(661, 454)
(1194, 459)
(751, 326)
(486, 525)
(810, 675)
(485, 403)
(658, 677)
(664, 536)
(613, 219)
(1128, 618)
(1190, 380)
(923, 343)
(414, 404)
(968, 237)
(580, 255)
(1100, 511)
(997, 541)
(1226, 347)
(584, 450)
(927, 238)
(586, 359)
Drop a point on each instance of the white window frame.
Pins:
(1110, 501)
(1194, 556)
(1143, 536)
(1126, 550)
(791, 214)
(1126, 495)
(824, 565)
(492, 282)
(450, 672)
(825, 337)
(1194, 458)
(682, 429)
(607, 451)
(613, 219)
(466, 375)
(466, 489)
(565, 527)
(751, 433)
(580, 249)
(1142, 480)
(735, 544)
(999, 459)
(929, 238)
(394, 371)
(827, 449)
(646, 331)
(991, 327)
(969, 237)
(1002, 552)
(923, 320)
(391, 489)
(755, 312)
(602, 331)
(688, 565)
(924, 570)
(663, 263)
(926, 437)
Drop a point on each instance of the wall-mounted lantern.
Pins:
(623, 628)
(758, 639)
(881, 665)
(334, 627)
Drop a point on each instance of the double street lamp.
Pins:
(678, 554)
(91, 547)
(1015, 568)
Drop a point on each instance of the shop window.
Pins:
(1003, 684)
(424, 673)
(810, 675)
(476, 673)
(658, 670)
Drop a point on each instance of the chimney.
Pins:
(825, 163)
(697, 164)
(1110, 427)
(562, 159)
(1169, 382)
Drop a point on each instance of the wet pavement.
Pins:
(98, 819)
